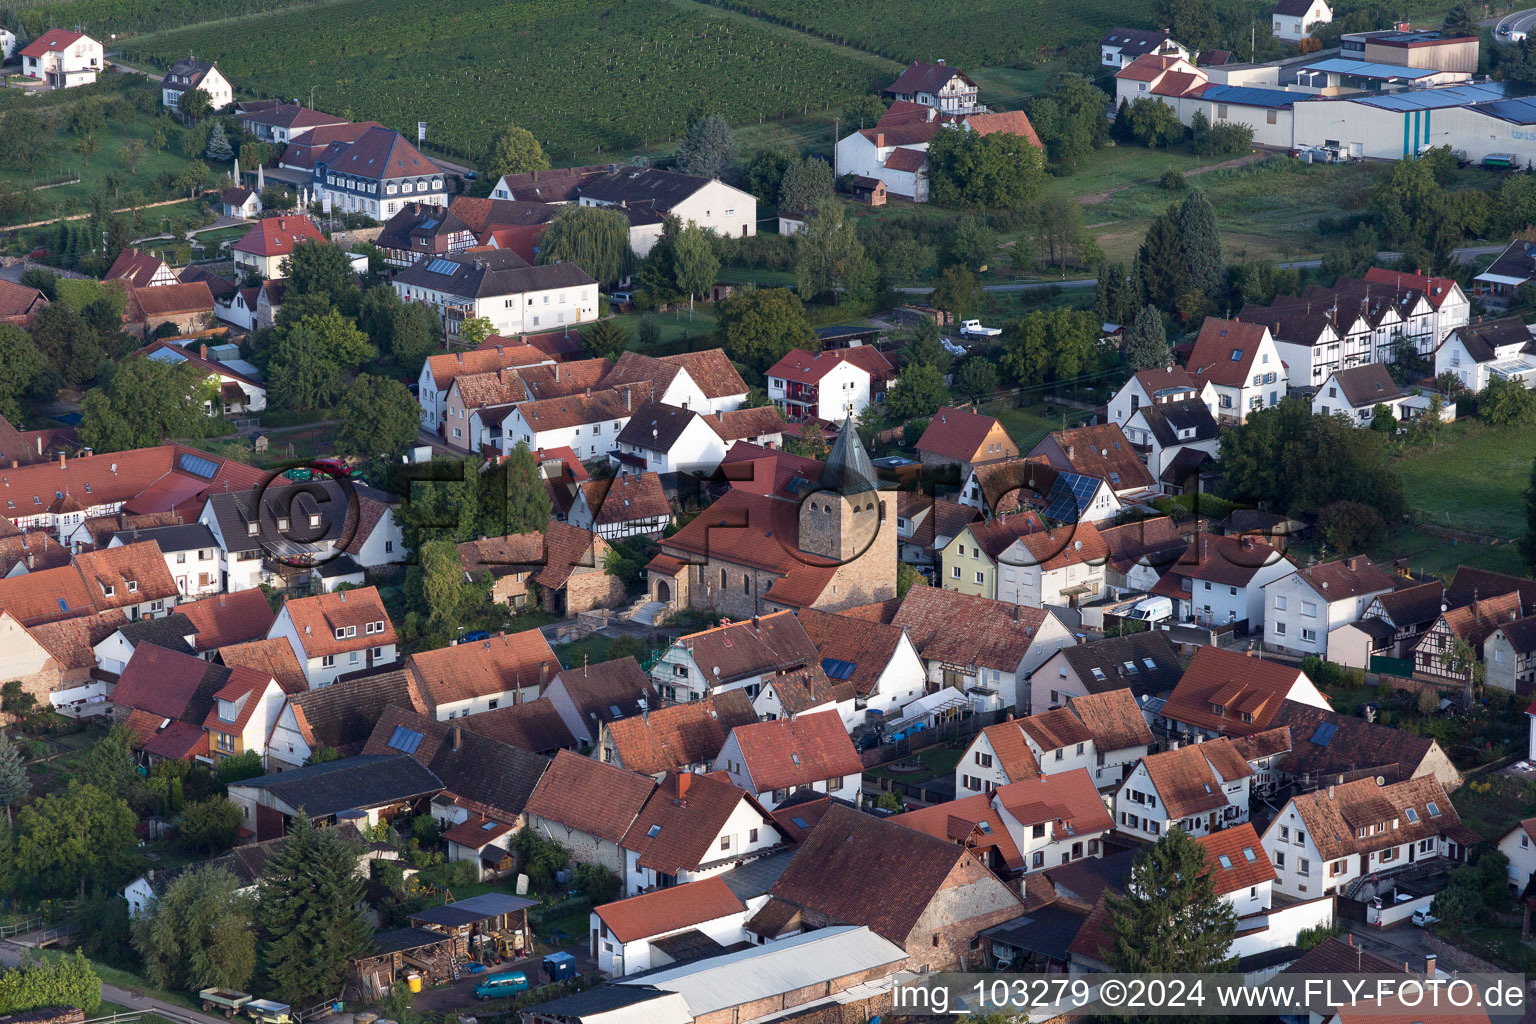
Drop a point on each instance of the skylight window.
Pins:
(1149, 663)
(1413, 816)
(799, 823)
(1434, 810)
(651, 832)
(1237, 355)
(1248, 854)
(984, 827)
(1226, 862)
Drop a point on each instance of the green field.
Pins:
(584, 76)
(1474, 479)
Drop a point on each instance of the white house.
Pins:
(1322, 841)
(667, 440)
(1119, 46)
(190, 73)
(693, 827)
(440, 370)
(1293, 20)
(878, 659)
(1157, 387)
(501, 287)
(1059, 741)
(1222, 580)
(708, 203)
(265, 249)
(1145, 663)
(623, 931)
(7, 43)
(1519, 845)
(1243, 875)
(1175, 435)
(806, 691)
(1120, 734)
(588, 424)
(807, 753)
(1305, 606)
(1509, 656)
(473, 677)
(1202, 787)
(191, 554)
(332, 634)
(376, 175)
(828, 385)
(632, 505)
(1054, 819)
(736, 656)
(896, 154)
(704, 381)
(1356, 392)
(63, 59)
(1449, 304)
(1226, 693)
(936, 85)
(1241, 360)
(1476, 353)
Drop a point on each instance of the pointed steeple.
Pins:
(848, 469)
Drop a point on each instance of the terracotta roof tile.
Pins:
(679, 735)
(533, 725)
(135, 267)
(607, 690)
(867, 645)
(1471, 583)
(72, 642)
(680, 824)
(1114, 718)
(224, 620)
(1238, 683)
(343, 714)
(1237, 858)
(481, 668)
(1010, 122)
(1186, 778)
(1335, 815)
(670, 910)
(274, 657)
(962, 629)
(589, 796)
(169, 684)
(1068, 802)
(789, 752)
(957, 434)
(476, 832)
(316, 620)
(448, 366)
(276, 236)
(1225, 349)
(1014, 756)
(971, 822)
(1052, 730)
(484, 775)
(1104, 453)
(765, 645)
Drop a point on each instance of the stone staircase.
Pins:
(645, 612)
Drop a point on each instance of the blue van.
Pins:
(500, 986)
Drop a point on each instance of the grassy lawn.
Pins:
(1474, 479)
(1027, 426)
(1491, 806)
(936, 761)
(674, 327)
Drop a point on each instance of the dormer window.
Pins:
(351, 631)
(108, 589)
(314, 519)
(282, 524)
(340, 633)
(133, 586)
(252, 529)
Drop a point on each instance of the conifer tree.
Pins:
(14, 784)
(1146, 342)
(1200, 246)
(308, 913)
(1170, 919)
(219, 150)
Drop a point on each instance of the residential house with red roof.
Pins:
(1471, 625)
(63, 59)
(588, 696)
(628, 934)
(1102, 452)
(1243, 362)
(878, 658)
(1509, 656)
(776, 759)
(628, 505)
(340, 717)
(199, 627)
(245, 710)
(477, 404)
(930, 896)
(421, 230)
(377, 174)
(560, 569)
(695, 826)
(283, 122)
(189, 73)
(1519, 845)
(483, 675)
(674, 737)
(140, 270)
(54, 661)
(964, 438)
(1120, 46)
(18, 304)
(1171, 383)
(1220, 581)
(1324, 841)
(335, 634)
(1202, 787)
(997, 756)
(829, 385)
(984, 649)
(896, 155)
(588, 423)
(1303, 609)
(937, 85)
(1241, 869)
(704, 381)
(926, 525)
(266, 247)
(741, 655)
(440, 370)
(307, 143)
(1231, 693)
(587, 807)
(132, 578)
(1450, 305)
(805, 691)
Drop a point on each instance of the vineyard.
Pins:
(587, 77)
(104, 18)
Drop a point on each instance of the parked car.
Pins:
(471, 637)
(499, 986)
(333, 467)
(1423, 918)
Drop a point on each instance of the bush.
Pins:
(597, 883)
(1173, 181)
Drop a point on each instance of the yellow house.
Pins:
(244, 711)
(1017, 558)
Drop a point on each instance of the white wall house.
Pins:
(1477, 353)
(1157, 387)
(623, 931)
(1241, 360)
(7, 43)
(63, 59)
(1355, 394)
(191, 554)
(820, 385)
(333, 634)
(666, 440)
(1519, 845)
(377, 175)
(896, 155)
(188, 74)
(1294, 20)
(1202, 787)
(500, 287)
(806, 754)
(747, 830)
(1054, 820)
(589, 425)
(1304, 607)
(708, 203)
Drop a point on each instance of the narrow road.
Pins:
(1510, 24)
(11, 955)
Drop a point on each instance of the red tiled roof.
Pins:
(589, 796)
(1067, 799)
(53, 41)
(785, 753)
(227, 619)
(80, 588)
(965, 629)
(1114, 718)
(276, 236)
(317, 618)
(1436, 289)
(1185, 780)
(135, 267)
(961, 821)
(810, 367)
(956, 433)
(679, 734)
(481, 668)
(274, 657)
(476, 832)
(1238, 683)
(162, 682)
(670, 910)
(1246, 863)
(1225, 350)
(1014, 757)
(626, 498)
(680, 824)
(17, 301)
(1010, 122)
(171, 299)
(1054, 729)
(905, 159)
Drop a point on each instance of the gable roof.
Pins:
(787, 752)
(765, 645)
(679, 734)
(865, 870)
(1144, 663)
(1482, 339)
(18, 301)
(1228, 561)
(446, 366)
(1133, 41)
(804, 367)
(1008, 122)
(481, 668)
(922, 76)
(1183, 422)
(963, 629)
(673, 909)
(1419, 603)
(170, 299)
(1225, 350)
(1013, 755)
(1346, 578)
(1236, 858)
(1470, 584)
(681, 822)
(273, 656)
(1186, 779)
(1052, 730)
(1113, 717)
(169, 684)
(55, 40)
(488, 273)
(641, 186)
(82, 587)
(289, 116)
(1103, 452)
(533, 725)
(1475, 621)
(317, 618)
(276, 236)
(956, 433)
(607, 690)
(321, 790)
(1329, 744)
(342, 715)
(589, 796)
(483, 774)
(1435, 289)
(135, 267)
(1067, 799)
(225, 619)
(861, 647)
(710, 369)
(656, 427)
(1239, 683)
(379, 153)
(1367, 385)
(971, 822)
(1335, 815)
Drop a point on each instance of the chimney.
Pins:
(543, 675)
(879, 140)
(202, 351)
(39, 444)
(684, 782)
(1429, 965)
(719, 416)
(61, 460)
(458, 737)
(1330, 792)
(1071, 451)
(627, 399)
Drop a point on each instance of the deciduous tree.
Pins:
(919, 391)
(1528, 542)
(594, 238)
(14, 782)
(143, 403)
(21, 366)
(513, 150)
(758, 327)
(957, 292)
(998, 171)
(694, 262)
(198, 934)
(66, 839)
(379, 417)
(828, 254)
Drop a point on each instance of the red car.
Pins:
(335, 467)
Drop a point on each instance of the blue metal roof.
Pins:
(1251, 96)
(1517, 111)
(836, 668)
(1368, 69)
(1434, 99)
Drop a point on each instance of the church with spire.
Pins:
(789, 532)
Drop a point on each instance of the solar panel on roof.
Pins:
(799, 823)
(441, 266)
(404, 740)
(197, 465)
(837, 669)
(1324, 733)
(1069, 496)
